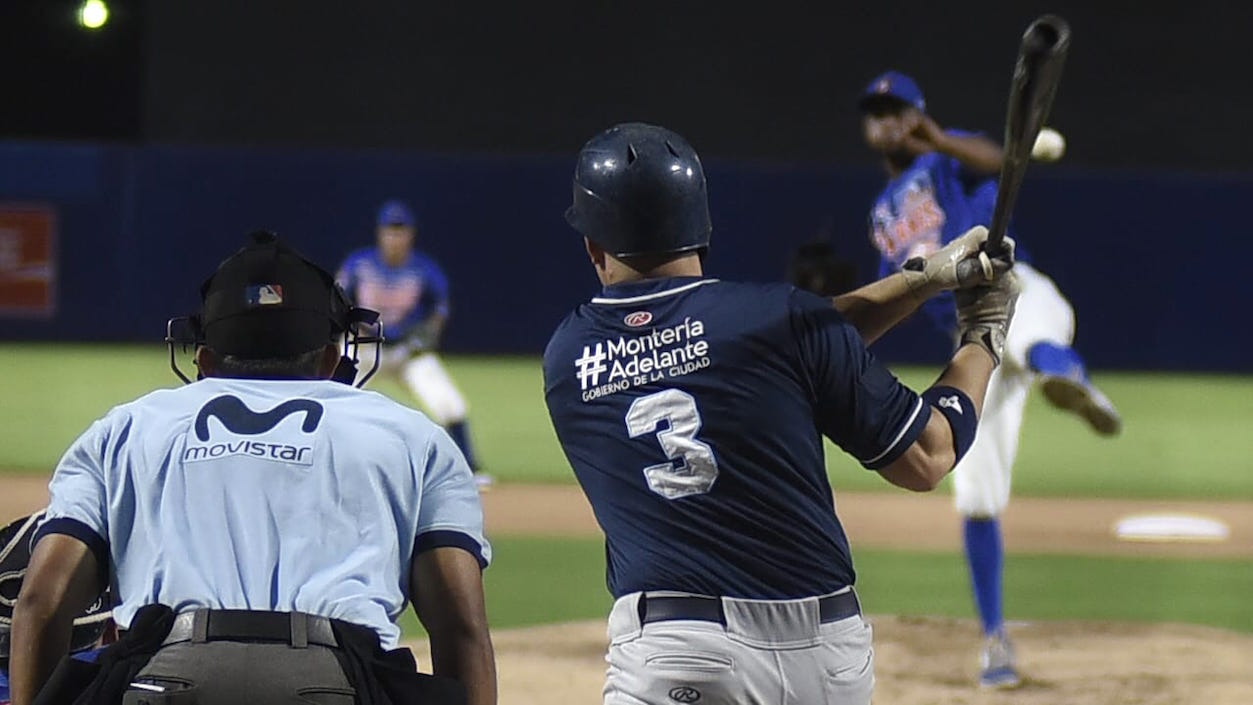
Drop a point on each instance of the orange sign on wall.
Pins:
(28, 266)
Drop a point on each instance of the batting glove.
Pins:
(984, 313)
(961, 264)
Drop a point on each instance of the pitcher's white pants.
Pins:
(981, 481)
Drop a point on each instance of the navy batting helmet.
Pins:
(638, 190)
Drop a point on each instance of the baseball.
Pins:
(1049, 145)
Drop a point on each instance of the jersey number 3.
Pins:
(697, 469)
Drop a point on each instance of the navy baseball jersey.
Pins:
(405, 296)
(692, 412)
(925, 207)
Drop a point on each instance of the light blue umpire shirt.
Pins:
(278, 495)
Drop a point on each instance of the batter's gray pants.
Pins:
(771, 652)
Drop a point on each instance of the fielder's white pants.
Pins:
(981, 481)
(426, 379)
(771, 652)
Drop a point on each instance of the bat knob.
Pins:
(986, 262)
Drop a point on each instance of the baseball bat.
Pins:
(1036, 75)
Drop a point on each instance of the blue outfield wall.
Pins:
(1152, 261)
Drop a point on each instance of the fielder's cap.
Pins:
(396, 213)
(268, 301)
(895, 85)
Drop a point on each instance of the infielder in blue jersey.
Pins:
(942, 183)
(263, 528)
(693, 411)
(410, 292)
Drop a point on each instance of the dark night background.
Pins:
(1143, 88)
(163, 137)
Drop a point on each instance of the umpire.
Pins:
(262, 527)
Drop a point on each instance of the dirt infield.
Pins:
(904, 520)
(918, 661)
(893, 520)
(931, 662)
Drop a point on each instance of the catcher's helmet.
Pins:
(14, 556)
(639, 189)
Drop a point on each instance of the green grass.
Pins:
(1186, 435)
(540, 580)
(1050, 587)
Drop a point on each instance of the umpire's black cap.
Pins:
(268, 301)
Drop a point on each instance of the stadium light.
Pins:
(92, 14)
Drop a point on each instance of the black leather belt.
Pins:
(297, 629)
(663, 608)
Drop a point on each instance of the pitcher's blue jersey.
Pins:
(925, 207)
(405, 296)
(692, 412)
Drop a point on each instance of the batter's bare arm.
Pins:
(875, 308)
(878, 306)
(934, 454)
(983, 316)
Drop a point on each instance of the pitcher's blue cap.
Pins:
(396, 213)
(893, 84)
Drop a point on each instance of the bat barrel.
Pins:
(1041, 55)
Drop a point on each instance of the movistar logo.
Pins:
(240, 420)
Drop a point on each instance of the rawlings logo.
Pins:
(684, 694)
(637, 319)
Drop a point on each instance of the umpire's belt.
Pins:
(663, 608)
(295, 628)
